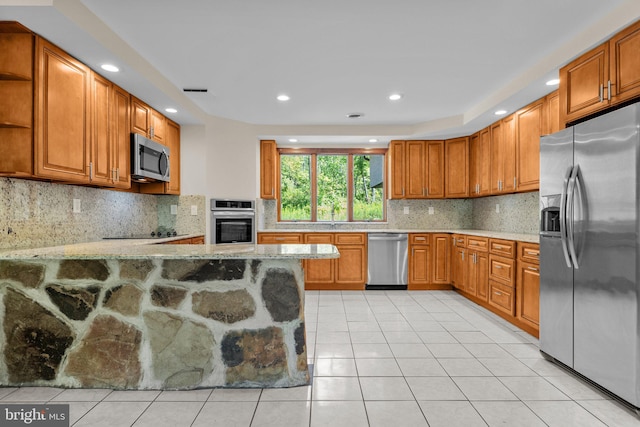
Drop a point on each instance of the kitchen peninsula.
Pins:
(154, 316)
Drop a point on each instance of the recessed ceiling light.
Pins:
(293, 140)
(355, 115)
(373, 140)
(170, 110)
(395, 96)
(283, 97)
(500, 112)
(553, 82)
(109, 67)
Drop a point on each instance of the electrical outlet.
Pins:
(431, 210)
(174, 209)
(497, 208)
(194, 210)
(76, 206)
(406, 210)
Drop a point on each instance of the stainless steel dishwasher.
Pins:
(387, 261)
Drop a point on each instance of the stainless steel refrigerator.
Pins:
(589, 243)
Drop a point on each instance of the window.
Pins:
(332, 186)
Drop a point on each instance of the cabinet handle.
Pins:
(462, 255)
(279, 239)
(152, 131)
(272, 190)
(532, 268)
(427, 190)
(90, 171)
(601, 92)
(609, 90)
(117, 174)
(498, 266)
(498, 293)
(532, 253)
(498, 246)
(402, 191)
(515, 182)
(475, 258)
(421, 238)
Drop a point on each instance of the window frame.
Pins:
(349, 152)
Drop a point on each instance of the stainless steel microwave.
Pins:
(149, 160)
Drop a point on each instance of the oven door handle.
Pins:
(227, 214)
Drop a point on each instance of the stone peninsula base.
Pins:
(152, 323)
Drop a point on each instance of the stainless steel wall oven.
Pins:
(233, 221)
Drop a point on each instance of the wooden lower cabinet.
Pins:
(279, 238)
(351, 267)
(198, 240)
(502, 297)
(318, 273)
(419, 261)
(528, 294)
(441, 256)
(478, 274)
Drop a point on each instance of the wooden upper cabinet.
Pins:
(480, 163)
(62, 115)
(172, 140)
(122, 138)
(497, 161)
(529, 127)
(508, 153)
(396, 173)
(624, 66)
(140, 117)
(435, 169)
(269, 164)
(100, 161)
(552, 113)
(415, 169)
(584, 85)
(457, 167)
(158, 127)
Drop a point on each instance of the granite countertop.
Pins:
(153, 248)
(529, 238)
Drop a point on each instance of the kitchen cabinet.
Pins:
(480, 163)
(477, 267)
(528, 285)
(417, 169)
(198, 240)
(172, 141)
(351, 267)
(501, 297)
(279, 238)
(457, 167)
(61, 115)
(584, 85)
(269, 164)
(458, 261)
(552, 113)
(318, 273)
(419, 261)
(529, 126)
(440, 248)
(146, 121)
(624, 65)
(503, 156)
(16, 100)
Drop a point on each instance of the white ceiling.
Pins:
(454, 61)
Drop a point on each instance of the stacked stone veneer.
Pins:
(152, 323)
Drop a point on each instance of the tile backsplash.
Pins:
(36, 214)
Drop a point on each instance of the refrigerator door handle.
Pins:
(571, 217)
(583, 215)
(563, 217)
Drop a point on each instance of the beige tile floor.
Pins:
(380, 358)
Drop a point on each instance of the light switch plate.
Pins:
(76, 206)
(174, 209)
(194, 210)
(406, 210)
(497, 208)
(431, 210)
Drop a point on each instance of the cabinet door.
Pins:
(624, 68)
(396, 148)
(457, 167)
(584, 82)
(459, 268)
(474, 164)
(268, 170)
(318, 271)
(528, 294)
(502, 270)
(279, 238)
(172, 139)
(496, 156)
(62, 115)
(484, 166)
(122, 139)
(415, 171)
(472, 273)
(441, 259)
(158, 127)
(552, 109)
(419, 265)
(351, 267)
(140, 117)
(100, 169)
(528, 130)
(508, 152)
(481, 265)
(435, 169)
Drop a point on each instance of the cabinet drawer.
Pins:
(419, 239)
(350, 238)
(279, 238)
(505, 248)
(529, 252)
(459, 240)
(501, 269)
(477, 243)
(501, 297)
(318, 238)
